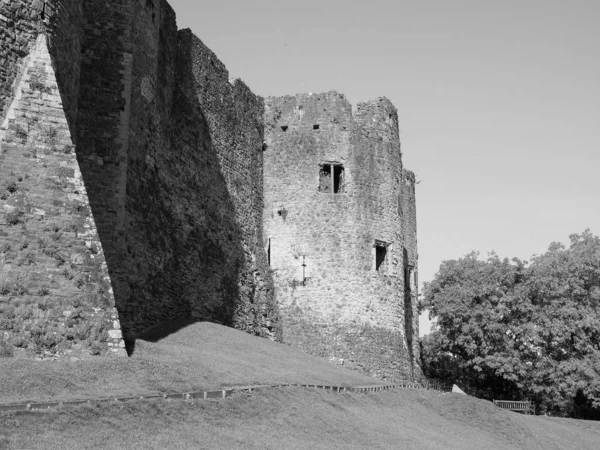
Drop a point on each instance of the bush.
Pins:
(43, 338)
(79, 281)
(21, 134)
(96, 348)
(11, 187)
(20, 341)
(36, 83)
(16, 285)
(44, 305)
(82, 332)
(27, 259)
(14, 218)
(43, 290)
(6, 350)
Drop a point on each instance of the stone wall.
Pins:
(137, 126)
(55, 293)
(137, 176)
(188, 213)
(20, 23)
(234, 116)
(410, 258)
(102, 124)
(335, 300)
(172, 174)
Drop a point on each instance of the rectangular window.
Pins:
(331, 178)
(381, 249)
(338, 179)
(380, 253)
(269, 252)
(408, 273)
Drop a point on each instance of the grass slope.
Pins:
(201, 356)
(290, 418)
(295, 418)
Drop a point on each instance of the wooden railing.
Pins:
(524, 406)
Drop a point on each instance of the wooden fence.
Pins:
(522, 406)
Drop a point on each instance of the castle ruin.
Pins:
(340, 230)
(140, 185)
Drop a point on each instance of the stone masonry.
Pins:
(141, 186)
(339, 231)
(55, 291)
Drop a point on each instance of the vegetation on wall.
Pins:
(507, 329)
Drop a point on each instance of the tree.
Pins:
(511, 330)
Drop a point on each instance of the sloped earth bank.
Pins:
(208, 356)
(202, 356)
(296, 418)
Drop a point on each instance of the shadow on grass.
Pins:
(159, 332)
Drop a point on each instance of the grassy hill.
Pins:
(208, 356)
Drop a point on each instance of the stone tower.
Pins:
(340, 231)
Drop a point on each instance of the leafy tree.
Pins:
(511, 330)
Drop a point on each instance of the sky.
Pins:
(498, 103)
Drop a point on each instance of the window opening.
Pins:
(315, 127)
(408, 273)
(338, 179)
(269, 252)
(305, 272)
(331, 178)
(284, 128)
(380, 255)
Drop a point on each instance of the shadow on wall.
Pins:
(408, 308)
(172, 244)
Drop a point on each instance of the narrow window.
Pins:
(269, 252)
(338, 179)
(304, 270)
(284, 128)
(408, 273)
(315, 127)
(380, 252)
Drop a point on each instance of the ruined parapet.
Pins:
(55, 292)
(334, 231)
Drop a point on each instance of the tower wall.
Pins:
(334, 300)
